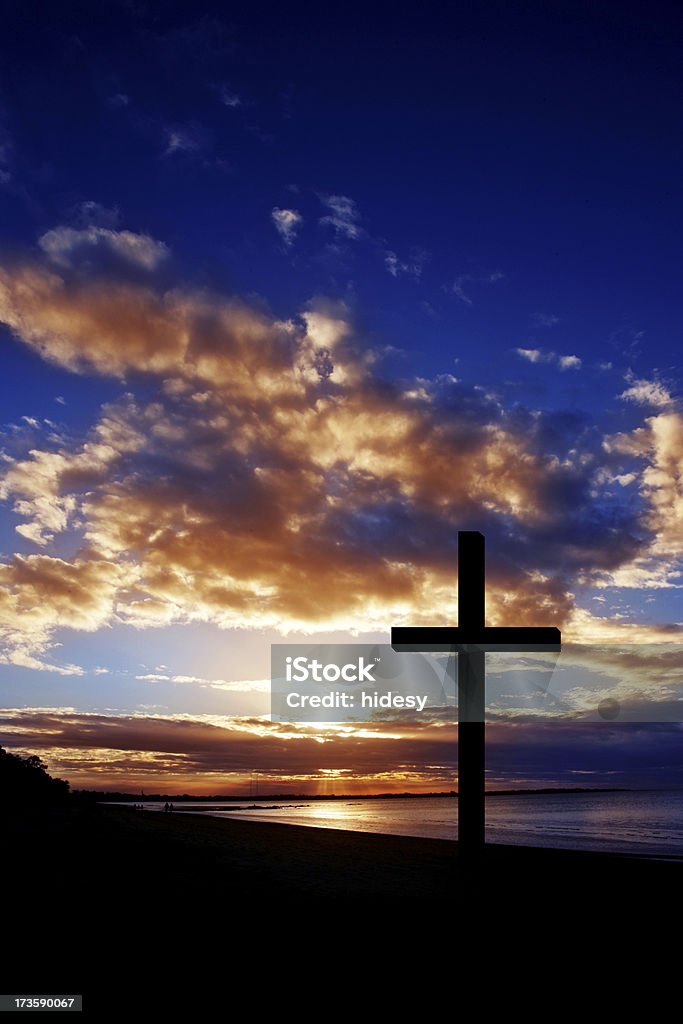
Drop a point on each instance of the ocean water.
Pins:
(646, 821)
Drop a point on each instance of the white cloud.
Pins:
(459, 290)
(34, 532)
(660, 444)
(36, 482)
(397, 267)
(287, 223)
(343, 216)
(539, 355)
(458, 286)
(646, 392)
(22, 658)
(230, 99)
(624, 479)
(533, 355)
(232, 686)
(544, 319)
(62, 244)
(181, 140)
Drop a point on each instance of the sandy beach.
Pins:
(128, 891)
(187, 859)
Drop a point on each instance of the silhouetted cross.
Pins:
(471, 638)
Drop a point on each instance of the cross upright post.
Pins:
(471, 639)
(471, 698)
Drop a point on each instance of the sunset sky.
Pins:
(288, 298)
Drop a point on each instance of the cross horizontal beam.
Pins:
(488, 638)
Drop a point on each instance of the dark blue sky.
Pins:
(321, 285)
(539, 142)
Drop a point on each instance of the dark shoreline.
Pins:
(125, 839)
(97, 898)
(493, 850)
(104, 796)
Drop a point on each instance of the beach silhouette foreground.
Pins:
(96, 895)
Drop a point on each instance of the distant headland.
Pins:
(107, 796)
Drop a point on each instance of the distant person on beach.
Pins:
(166, 808)
(170, 807)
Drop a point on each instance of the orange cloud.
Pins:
(277, 480)
(213, 754)
(658, 447)
(210, 755)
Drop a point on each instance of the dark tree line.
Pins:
(24, 781)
